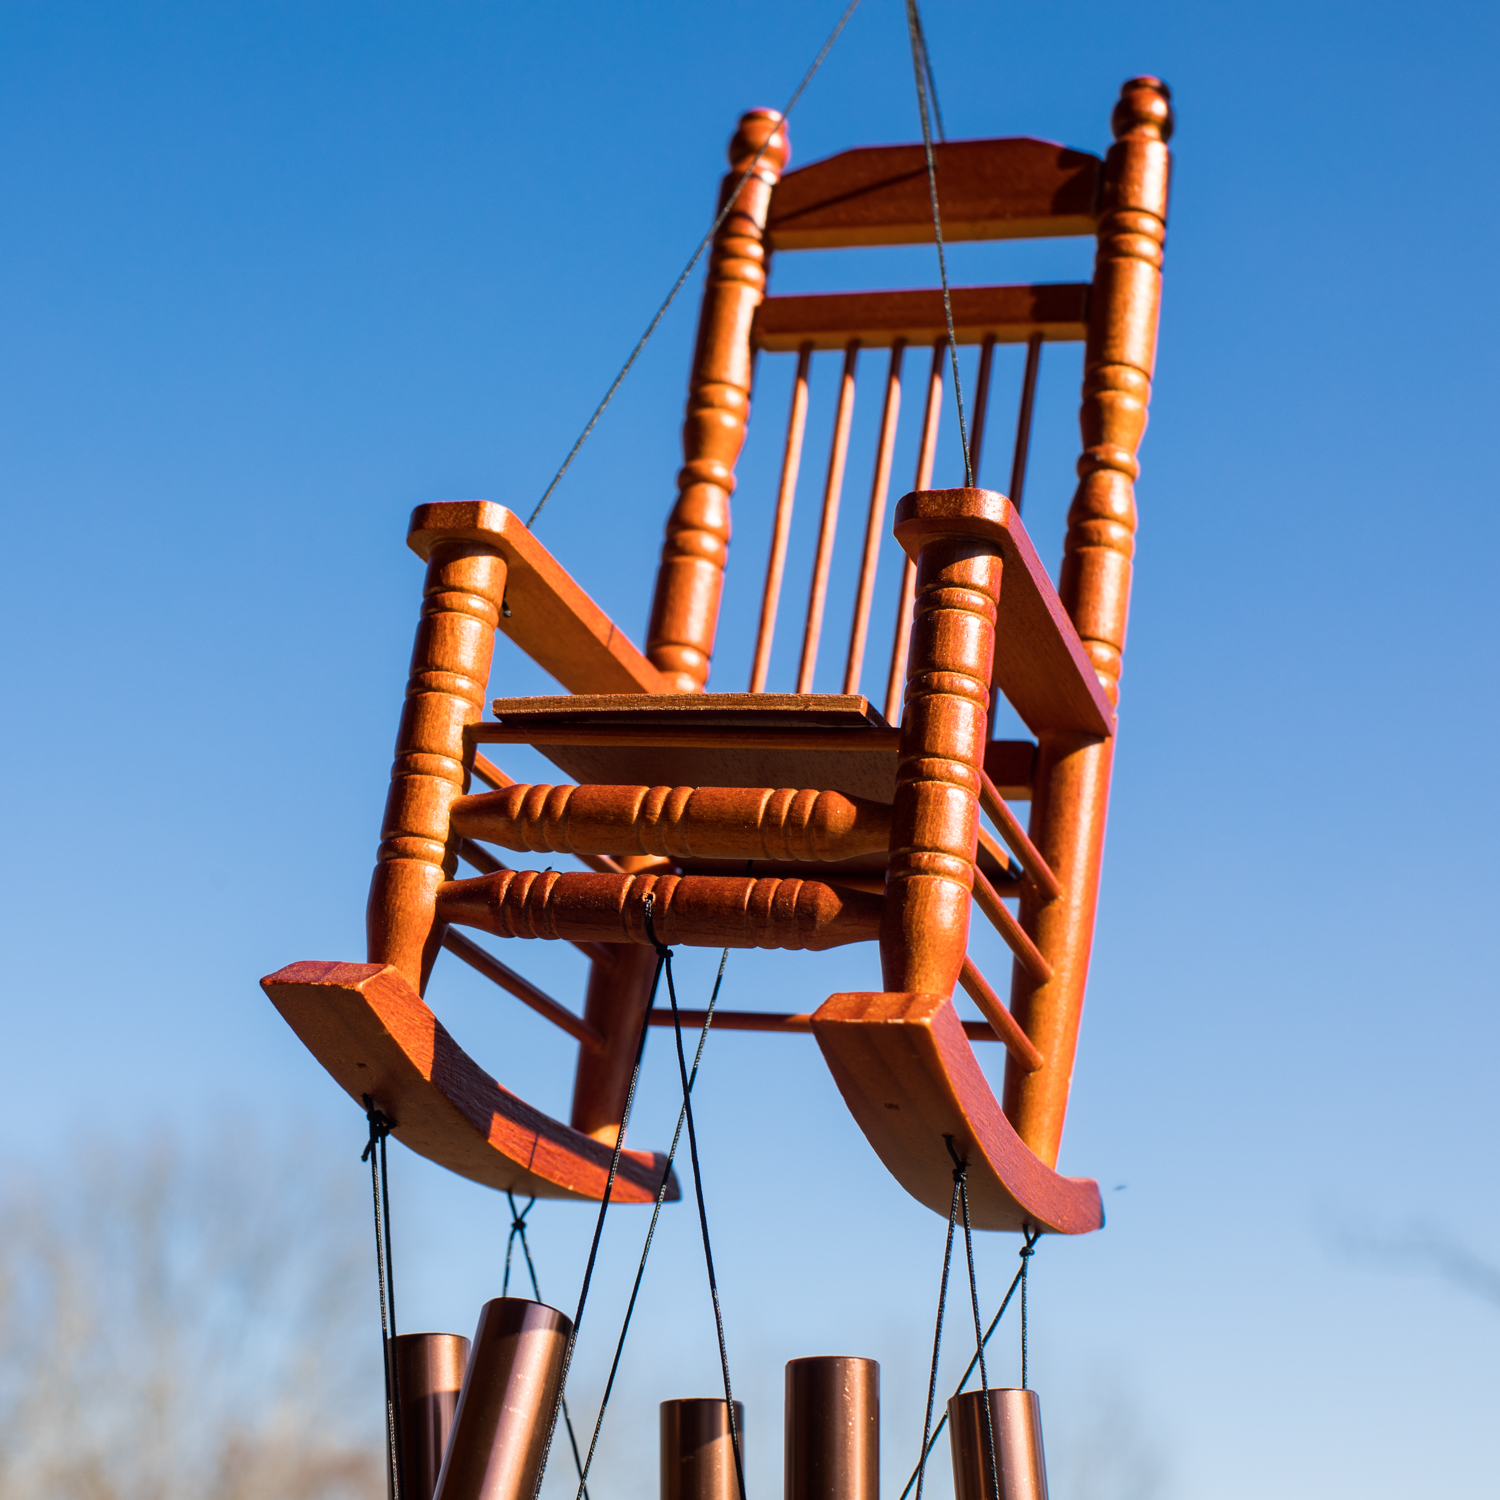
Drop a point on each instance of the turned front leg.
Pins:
(450, 669)
(935, 820)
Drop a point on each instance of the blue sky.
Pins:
(272, 274)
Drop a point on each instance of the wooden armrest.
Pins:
(1040, 664)
(551, 619)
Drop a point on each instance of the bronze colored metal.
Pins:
(429, 1373)
(500, 1427)
(697, 1456)
(1017, 1419)
(833, 1428)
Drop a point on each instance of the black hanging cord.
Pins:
(518, 1232)
(374, 1153)
(588, 1270)
(687, 270)
(661, 1197)
(928, 1436)
(932, 93)
(664, 955)
(922, 70)
(1026, 1253)
(961, 1179)
(1031, 1237)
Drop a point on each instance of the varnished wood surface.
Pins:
(1043, 669)
(910, 1078)
(742, 710)
(779, 1023)
(1003, 314)
(1000, 1020)
(551, 618)
(705, 911)
(373, 1033)
(1011, 831)
(1013, 188)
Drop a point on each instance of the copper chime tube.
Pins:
(697, 1453)
(833, 1428)
(1017, 1420)
(429, 1372)
(500, 1428)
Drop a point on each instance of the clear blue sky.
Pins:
(272, 274)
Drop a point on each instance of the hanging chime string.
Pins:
(932, 93)
(919, 57)
(687, 270)
(588, 1270)
(961, 1177)
(518, 1231)
(374, 1153)
(1031, 1237)
(928, 1438)
(661, 1197)
(1026, 1250)
(664, 954)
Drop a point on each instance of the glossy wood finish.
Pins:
(1073, 770)
(702, 911)
(685, 611)
(781, 1023)
(1000, 314)
(681, 822)
(1016, 188)
(910, 1078)
(1022, 449)
(368, 1026)
(1001, 1023)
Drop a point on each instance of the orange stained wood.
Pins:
(1000, 314)
(1016, 188)
(371, 1030)
(779, 1023)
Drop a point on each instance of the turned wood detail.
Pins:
(685, 610)
(445, 690)
(1071, 787)
(713, 911)
(677, 822)
(952, 537)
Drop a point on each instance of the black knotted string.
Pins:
(381, 1126)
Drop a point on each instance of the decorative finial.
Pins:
(1144, 110)
(757, 127)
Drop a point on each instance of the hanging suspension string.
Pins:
(1026, 1252)
(937, 113)
(518, 1231)
(928, 1436)
(374, 1153)
(687, 270)
(960, 1177)
(1031, 1237)
(588, 1269)
(924, 105)
(664, 955)
(661, 1196)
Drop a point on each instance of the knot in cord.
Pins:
(381, 1125)
(662, 951)
(960, 1167)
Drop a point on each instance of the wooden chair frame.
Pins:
(859, 831)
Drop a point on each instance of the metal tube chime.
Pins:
(1016, 1416)
(833, 1428)
(429, 1373)
(697, 1454)
(500, 1428)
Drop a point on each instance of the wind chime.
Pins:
(777, 820)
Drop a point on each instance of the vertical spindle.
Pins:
(1023, 419)
(981, 403)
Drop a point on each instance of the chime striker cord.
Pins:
(374, 1153)
(518, 1231)
(729, 201)
(661, 1195)
(921, 64)
(1018, 1280)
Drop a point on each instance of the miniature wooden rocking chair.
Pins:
(857, 831)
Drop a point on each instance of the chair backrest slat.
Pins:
(791, 462)
(838, 453)
(885, 448)
(981, 403)
(1023, 421)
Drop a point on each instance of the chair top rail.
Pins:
(1058, 311)
(1011, 188)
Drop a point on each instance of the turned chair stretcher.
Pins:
(854, 831)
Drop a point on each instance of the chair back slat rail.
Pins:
(885, 448)
(781, 530)
(1023, 421)
(981, 404)
(838, 454)
(895, 686)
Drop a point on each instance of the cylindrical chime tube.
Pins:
(429, 1372)
(1016, 1417)
(500, 1427)
(697, 1455)
(833, 1428)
